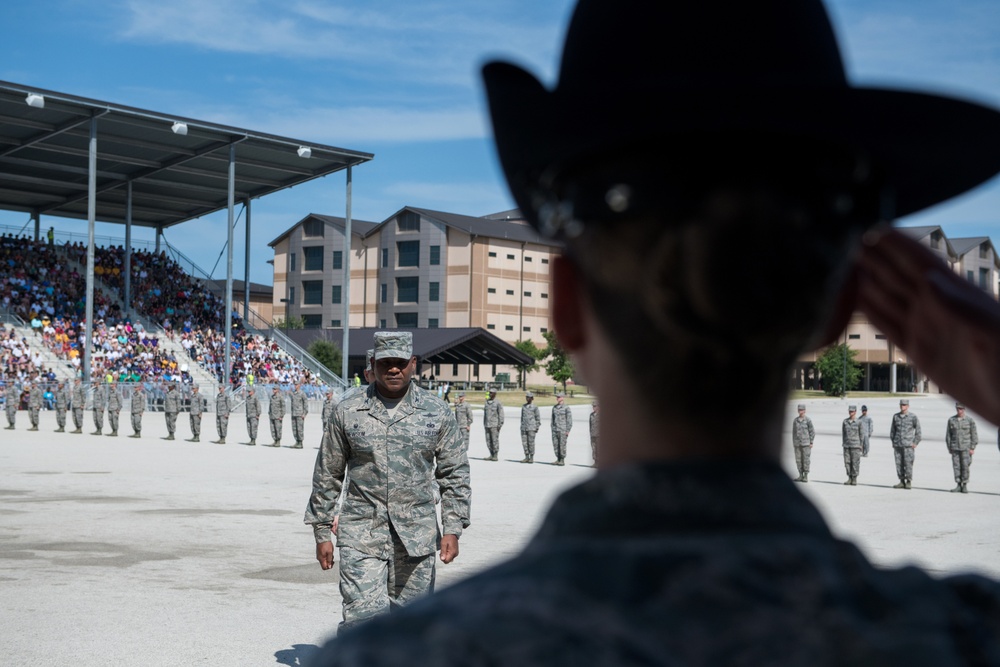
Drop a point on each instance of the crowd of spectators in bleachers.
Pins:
(255, 359)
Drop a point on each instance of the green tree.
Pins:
(293, 322)
(831, 369)
(328, 354)
(533, 351)
(559, 366)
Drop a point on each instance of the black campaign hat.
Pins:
(638, 73)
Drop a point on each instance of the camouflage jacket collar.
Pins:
(411, 401)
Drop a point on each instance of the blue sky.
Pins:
(400, 79)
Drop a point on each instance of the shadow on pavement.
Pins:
(299, 654)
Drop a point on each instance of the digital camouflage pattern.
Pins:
(12, 399)
(137, 407)
(393, 345)
(961, 439)
(594, 428)
(79, 402)
(35, 400)
(223, 407)
(98, 401)
(371, 585)
(276, 415)
(493, 422)
(171, 406)
(867, 429)
(905, 436)
(852, 435)
(114, 407)
(531, 421)
(562, 424)
(252, 408)
(300, 408)
(62, 405)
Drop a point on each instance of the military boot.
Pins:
(297, 445)
(33, 428)
(493, 457)
(195, 439)
(135, 435)
(253, 443)
(848, 482)
(854, 481)
(958, 488)
(220, 441)
(560, 462)
(114, 434)
(170, 436)
(901, 485)
(97, 432)
(60, 430)
(78, 431)
(965, 487)
(526, 460)
(906, 484)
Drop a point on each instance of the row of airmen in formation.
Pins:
(108, 399)
(961, 439)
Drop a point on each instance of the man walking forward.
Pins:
(905, 436)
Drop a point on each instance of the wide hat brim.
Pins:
(930, 148)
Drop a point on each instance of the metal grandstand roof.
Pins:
(175, 176)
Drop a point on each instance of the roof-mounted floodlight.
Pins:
(305, 151)
(179, 128)
(35, 100)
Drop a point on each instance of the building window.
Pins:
(382, 324)
(493, 370)
(432, 323)
(984, 278)
(491, 290)
(312, 321)
(338, 260)
(510, 257)
(510, 292)
(313, 228)
(408, 253)
(509, 327)
(454, 369)
(527, 294)
(492, 254)
(545, 260)
(527, 328)
(544, 295)
(313, 257)
(879, 336)
(335, 290)
(936, 240)
(544, 330)
(384, 293)
(408, 221)
(437, 369)
(491, 327)
(475, 370)
(970, 276)
(435, 255)
(385, 258)
(406, 320)
(291, 261)
(335, 324)
(984, 250)
(291, 295)
(406, 290)
(312, 292)
(434, 292)
(854, 336)
(527, 258)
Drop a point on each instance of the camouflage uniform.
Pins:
(714, 564)
(12, 398)
(114, 407)
(35, 404)
(253, 415)
(137, 407)
(803, 435)
(196, 406)
(531, 421)
(329, 404)
(100, 400)
(463, 415)
(223, 406)
(867, 428)
(62, 406)
(594, 426)
(79, 404)
(853, 431)
(300, 408)
(905, 436)
(562, 424)
(961, 439)
(388, 530)
(493, 422)
(276, 415)
(171, 406)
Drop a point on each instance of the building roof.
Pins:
(965, 245)
(178, 167)
(256, 289)
(511, 214)
(509, 229)
(919, 233)
(358, 227)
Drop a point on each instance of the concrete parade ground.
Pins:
(120, 551)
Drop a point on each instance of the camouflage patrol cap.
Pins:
(852, 408)
(528, 394)
(904, 401)
(368, 359)
(393, 345)
(461, 394)
(561, 395)
(864, 408)
(960, 406)
(802, 406)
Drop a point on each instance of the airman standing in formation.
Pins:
(137, 407)
(196, 406)
(253, 414)
(803, 435)
(35, 403)
(531, 420)
(329, 404)
(276, 415)
(300, 408)
(62, 406)
(562, 424)
(594, 427)
(853, 432)
(463, 415)
(100, 400)
(171, 406)
(12, 397)
(79, 403)
(493, 422)
(114, 407)
(867, 428)
(961, 439)
(905, 436)
(223, 406)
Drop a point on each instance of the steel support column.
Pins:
(346, 289)
(128, 249)
(228, 321)
(246, 267)
(88, 330)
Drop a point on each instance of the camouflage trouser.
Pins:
(961, 459)
(463, 434)
(370, 585)
(222, 425)
(61, 418)
(113, 420)
(11, 415)
(852, 460)
(195, 421)
(252, 423)
(593, 448)
(802, 455)
(33, 416)
(171, 418)
(864, 444)
(137, 421)
(276, 429)
(904, 462)
(528, 443)
(493, 439)
(298, 428)
(78, 418)
(559, 444)
(98, 419)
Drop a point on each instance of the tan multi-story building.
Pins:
(887, 368)
(420, 268)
